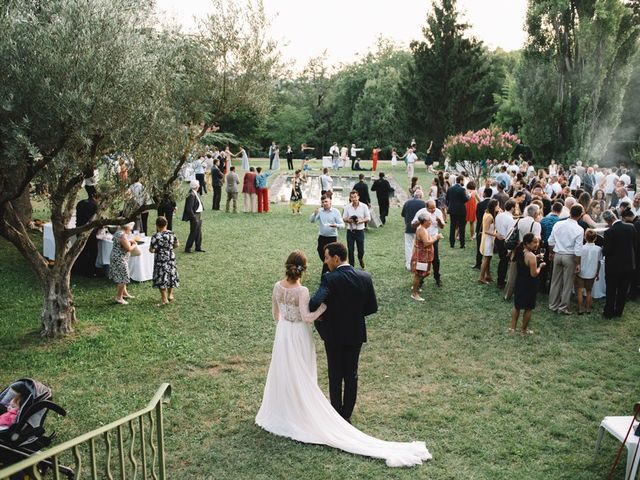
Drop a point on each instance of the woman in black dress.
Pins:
(526, 281)
(165, 274)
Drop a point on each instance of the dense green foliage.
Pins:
(573, 75)
(488, 404)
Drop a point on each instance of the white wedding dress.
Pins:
(293, 405)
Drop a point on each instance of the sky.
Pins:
(349, 28)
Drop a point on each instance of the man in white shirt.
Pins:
(610, 185)
(576, 181)
(330, 221)
(555, 186)
(326, 185)
(356, 215)
(624, 178)
(566, 241)
(199, 166)
(437, 224)
(504, 224)
(410, 158)
(334, 151)
(635, 205)
(354, 154)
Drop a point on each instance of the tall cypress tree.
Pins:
(446, 89)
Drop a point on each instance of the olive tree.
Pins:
(80, 79)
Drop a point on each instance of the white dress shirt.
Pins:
(361, 211)
(528, 224)
(435, 216)
(504, 224)
(566, 237)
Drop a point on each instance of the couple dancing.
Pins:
(293, 405)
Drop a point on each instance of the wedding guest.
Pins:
(262, 190)
(166, 209)
(456, 200)
(593, 215)
(589, 271)
(217, 179)
(249, 191)
(289, 155)
(470, 207)
(566, 241)
(526, 288)
(481, 208)
(422, 255)
(232, 189)
(529, 223)
(414, 186)
(296, 193)
(326, 182)
(165, 274)
(119, 261)
(619, 262)
(363, 190)
(199, 166)
(330, 221)
(409, 211)
(487, 242)
(85, 264)
(504, 224)
(192, 213)
(500, 195)
(383, 190)
(356, 215)
(632, 219)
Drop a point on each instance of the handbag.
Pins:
(513, 237)
(422, 266)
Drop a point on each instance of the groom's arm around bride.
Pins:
(350, 297)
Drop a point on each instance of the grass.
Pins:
(488, 404)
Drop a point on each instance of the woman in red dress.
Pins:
(471, 208)
(374, 158)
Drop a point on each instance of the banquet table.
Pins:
(140, 267)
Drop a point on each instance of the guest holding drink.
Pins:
(165, 274)
(526, 281)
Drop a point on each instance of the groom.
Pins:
(349, 296)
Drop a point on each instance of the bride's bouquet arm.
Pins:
(305, 313)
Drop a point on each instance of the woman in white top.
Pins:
(293, 405)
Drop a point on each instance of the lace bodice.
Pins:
(292, 304)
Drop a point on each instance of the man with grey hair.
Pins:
(193, 214)
(566, 241)
(409, 210)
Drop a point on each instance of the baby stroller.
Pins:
(31, 401)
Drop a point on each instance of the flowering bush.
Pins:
(481, 145)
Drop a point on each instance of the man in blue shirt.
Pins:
(330, 221)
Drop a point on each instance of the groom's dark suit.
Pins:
(349, 296)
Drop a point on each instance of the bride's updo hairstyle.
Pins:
(295, 265)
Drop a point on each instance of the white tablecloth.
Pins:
(599, 288)
(140, 268)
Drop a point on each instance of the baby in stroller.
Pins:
(10, 416)
(23, 409)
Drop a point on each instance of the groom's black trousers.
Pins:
(342, 364)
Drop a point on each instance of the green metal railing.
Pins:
(136, 457)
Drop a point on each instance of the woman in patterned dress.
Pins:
(165, 274)
(118, 262)
(423, 254)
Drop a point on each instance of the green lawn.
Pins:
(489, 405)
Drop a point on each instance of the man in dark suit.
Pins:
(480, 209)
(456, 199)
(619, 263)
(85, 264)
(193, 214)
(363, 190)
(349, 296)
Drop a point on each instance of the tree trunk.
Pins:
(22, 207)
(58, 309)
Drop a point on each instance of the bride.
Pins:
(293, 405)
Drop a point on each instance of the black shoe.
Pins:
(476, 267)
(461, 246)
(188, 251)
(361, 263)
(200, 250)
(438, 282)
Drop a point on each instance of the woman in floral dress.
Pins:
(119, 262)
(165, 274)
(423, 253)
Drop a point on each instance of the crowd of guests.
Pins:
(550, 229)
